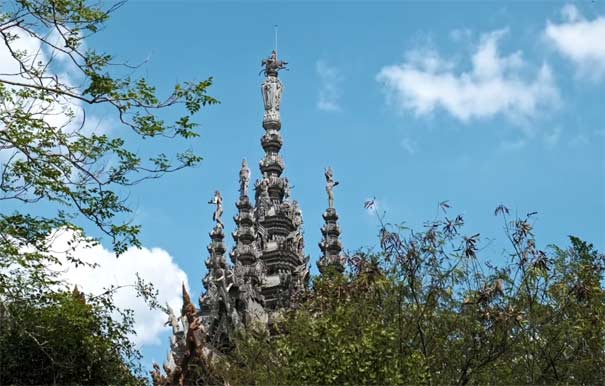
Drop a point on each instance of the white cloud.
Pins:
(153, 265)
(34, 52)
(495, 84)
(409, 145)
(330, 80)
(580, 40)
(63, 113)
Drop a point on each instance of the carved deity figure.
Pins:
(330, 184)
(272, 87)
(271, 90)
(218, 212)
(244, 179)
(273, 65)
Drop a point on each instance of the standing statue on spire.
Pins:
(244, 179)
(218, 212)
(330, 184)
(273, 65)
(272, 87)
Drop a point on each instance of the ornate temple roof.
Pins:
(268, 266)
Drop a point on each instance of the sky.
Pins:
(411, 103)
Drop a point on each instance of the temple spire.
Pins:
(330, 244)
(278, 219)
(216, 262)
(271, 89)
(245, 255)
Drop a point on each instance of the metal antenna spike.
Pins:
(275, 30)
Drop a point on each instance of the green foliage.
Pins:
(428, 309)
(50, 158)
(61, 338)
(61, 173)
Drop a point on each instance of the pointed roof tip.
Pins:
(187, 304)
(186, 297)
(77, 294)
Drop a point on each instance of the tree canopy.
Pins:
(429, 309)
(72, 122)
(62, 338)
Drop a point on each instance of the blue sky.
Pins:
(410, 102)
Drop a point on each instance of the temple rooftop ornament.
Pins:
(218, 212)
(268, 268)
(244, 179)
(273, 65)
(271, 90)
(330, 245)
(330, 184)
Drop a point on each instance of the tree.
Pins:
(428, 309)
(60, 171)
(63, 338)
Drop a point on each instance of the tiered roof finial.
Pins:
(330, 245)
(187, 305)
(273, 65)
(215, 263)
(272, 164)
(249, 269)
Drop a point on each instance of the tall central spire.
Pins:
(279, 220)
(271, 90)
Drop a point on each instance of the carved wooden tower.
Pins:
(268, 265)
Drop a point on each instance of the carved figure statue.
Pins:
(297, 220)
(271, 90)
(172, 320)
(273, 65)
(330, 184)
(244, 179)
(272, 87)
(218, 212)
(287, 189)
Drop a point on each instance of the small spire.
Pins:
(330, 245)
(188, 307)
